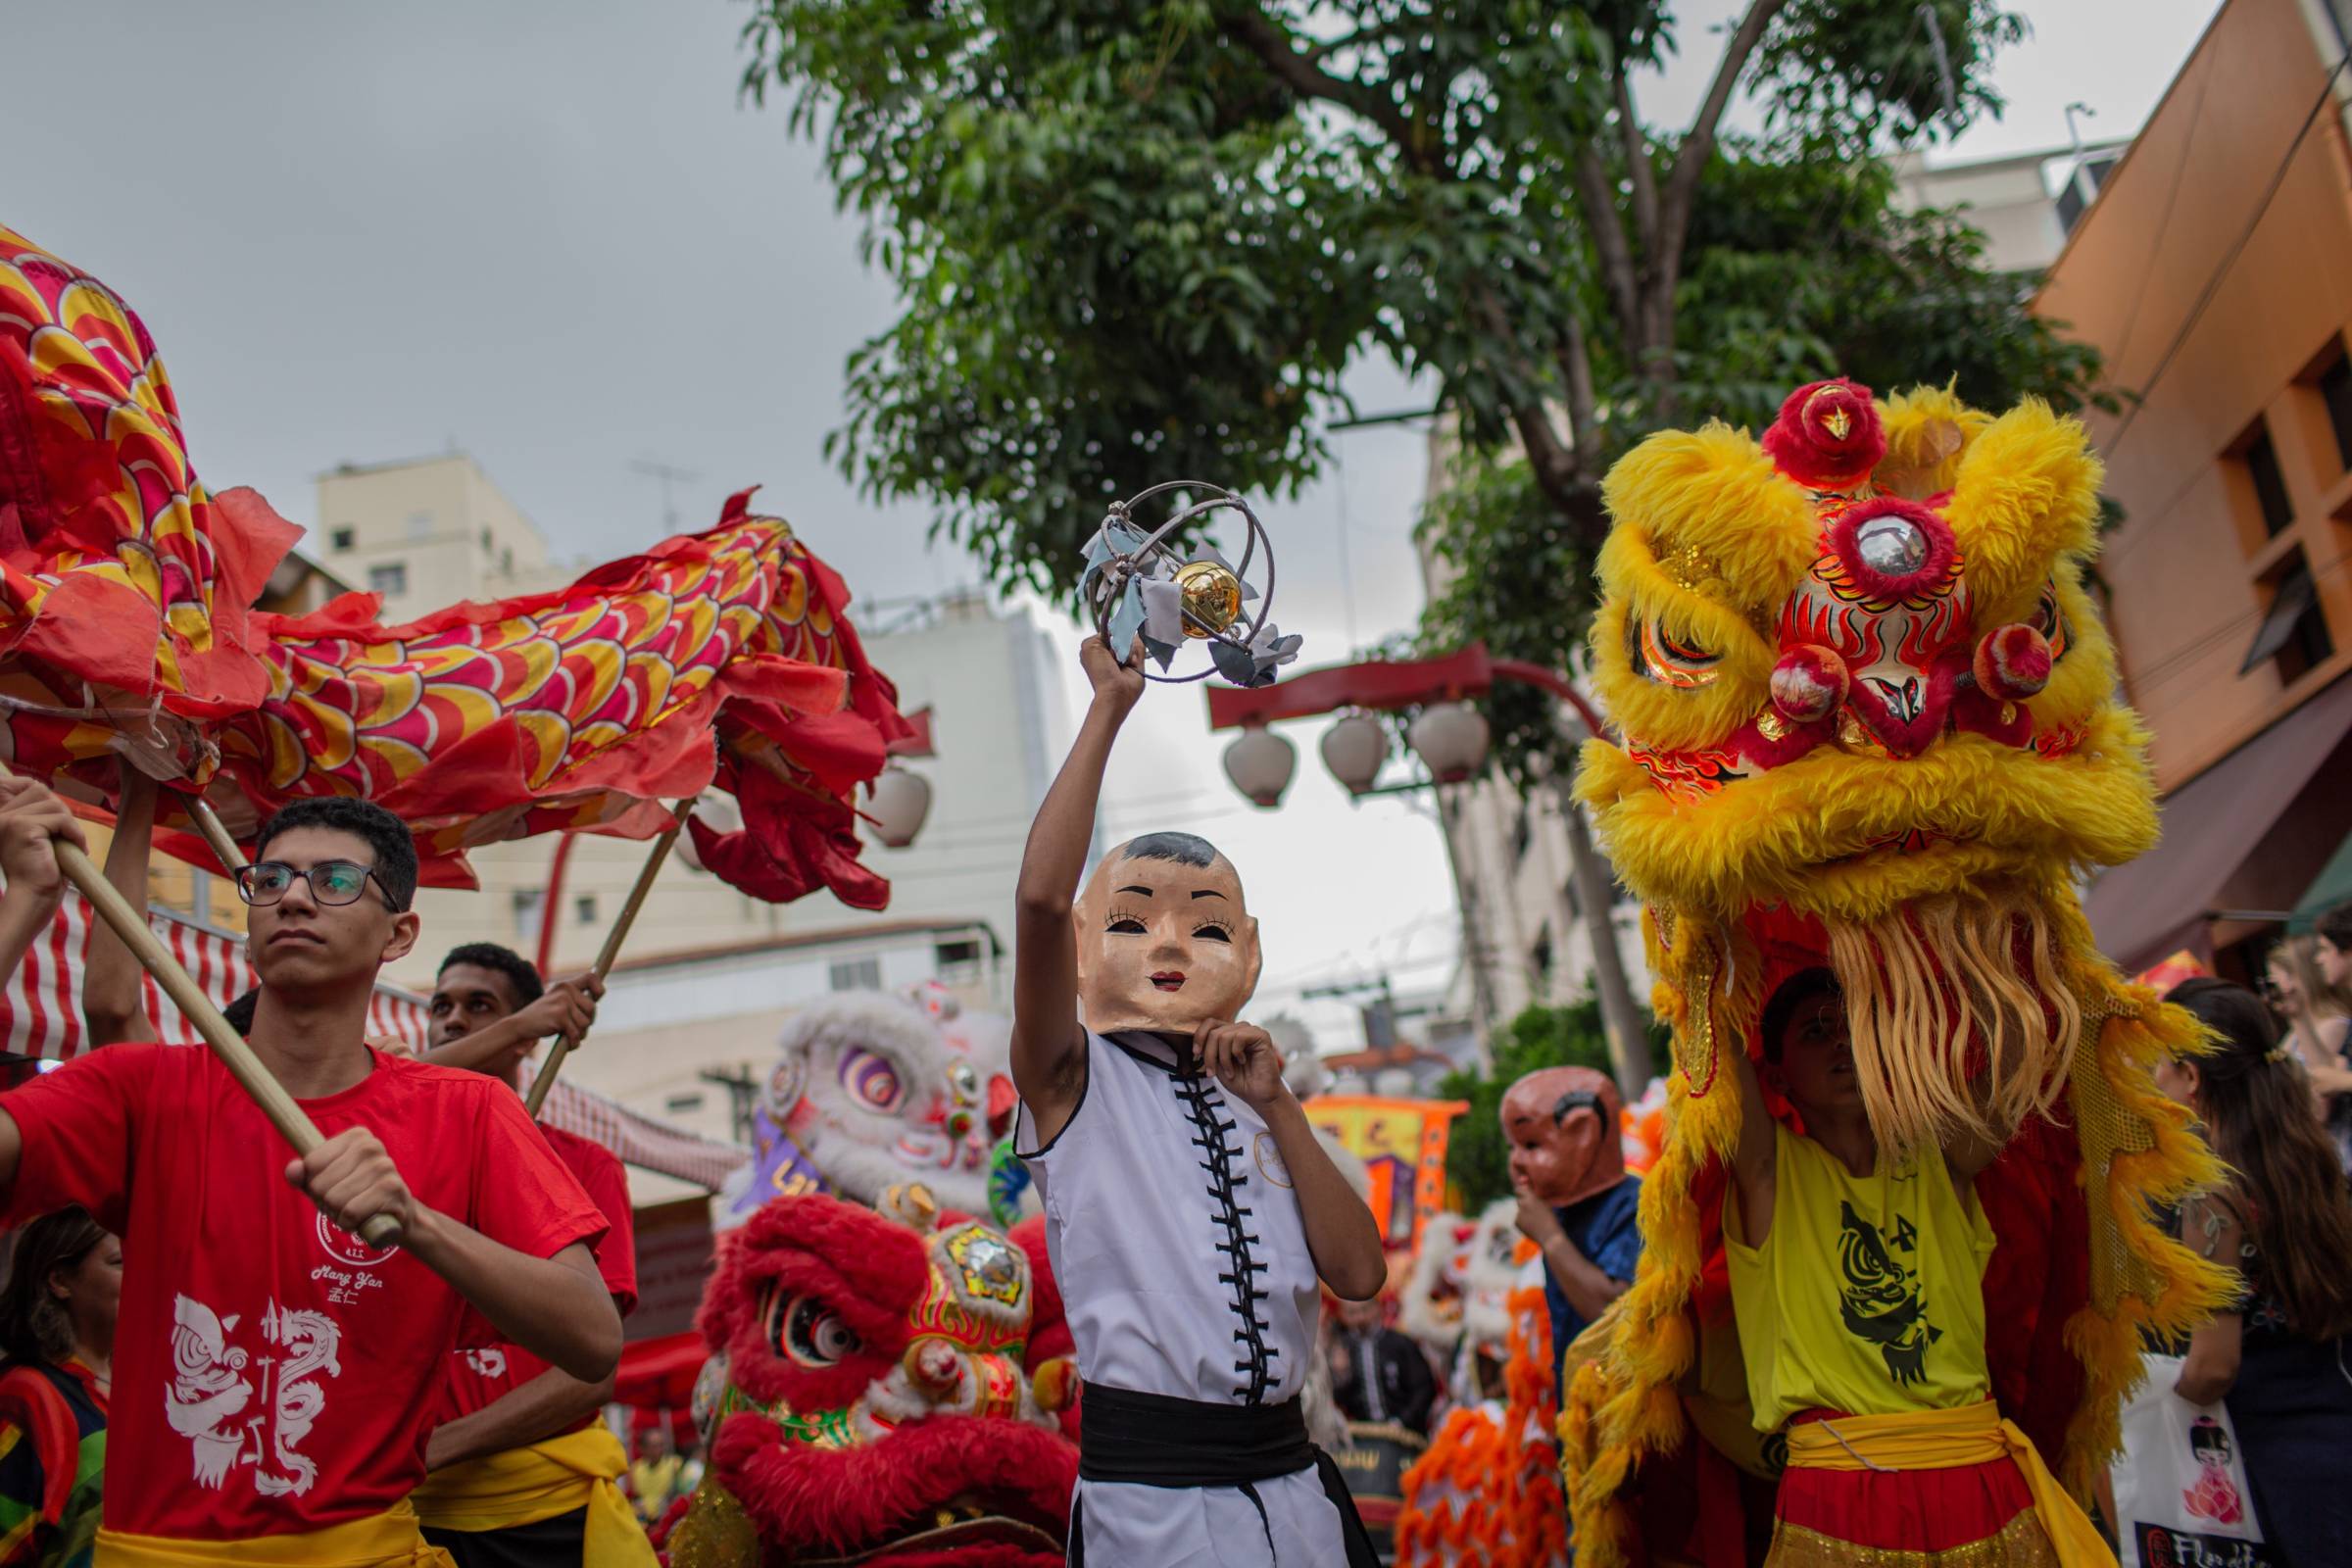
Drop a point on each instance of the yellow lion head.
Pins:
(1868, 719)
(1841, 692)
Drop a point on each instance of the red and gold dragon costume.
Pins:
(1867, 720)
(126, 628)
(867, 1400)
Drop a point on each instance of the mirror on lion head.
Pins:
(1164, 939)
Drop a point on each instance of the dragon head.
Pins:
(1869, 720)
(875, 1411)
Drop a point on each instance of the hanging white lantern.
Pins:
(717, 811)
(1451, 739)
(1261, 763)
(900, 801)
(1353, 749)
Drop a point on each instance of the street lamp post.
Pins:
(1451, 737)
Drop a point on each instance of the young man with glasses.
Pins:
(274, 1374)
(523, 1472)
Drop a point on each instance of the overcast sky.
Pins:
(553, 236)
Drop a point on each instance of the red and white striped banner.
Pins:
(40, 1016)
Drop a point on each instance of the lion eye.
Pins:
(1662, 659)
(872, 1080)
(810, 1332)
(2050, 620)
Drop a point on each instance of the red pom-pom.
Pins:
(1808, 683)
(2012, 664)
(1828, 435)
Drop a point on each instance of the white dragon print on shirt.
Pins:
(211, 1393)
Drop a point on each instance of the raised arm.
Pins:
(1752, 1160)
(1048, 1049)
(114, 991)
(568, 1007)
(31, 818)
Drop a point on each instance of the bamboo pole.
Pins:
(130, 925)
(545, 1079)
(216, 833)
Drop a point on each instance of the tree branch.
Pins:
(1638, 165)
(1597, 194)
(1566, 481)
(1682, 185)
(1279, 53)
(1584, 408)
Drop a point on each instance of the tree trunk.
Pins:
(1596, 895)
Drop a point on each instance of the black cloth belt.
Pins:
(1156, 1439)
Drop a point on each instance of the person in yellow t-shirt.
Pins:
(1857, 1284)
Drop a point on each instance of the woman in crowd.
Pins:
(2316, 1027)
(57, 1324)
(2284, 1221)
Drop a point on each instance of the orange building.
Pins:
(2215, 273)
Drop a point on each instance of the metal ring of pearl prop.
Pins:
(1135, 583)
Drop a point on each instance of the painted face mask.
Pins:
(1562, 1126)
(1165, 941)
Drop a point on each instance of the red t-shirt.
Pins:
(274, 1373)
(478, 1375)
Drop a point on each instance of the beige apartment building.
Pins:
(426, 533)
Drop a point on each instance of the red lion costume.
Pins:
(867, 1402)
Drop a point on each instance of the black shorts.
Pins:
(546, 1544)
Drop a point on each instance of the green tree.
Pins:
(1476, 1158)
(1142, 240)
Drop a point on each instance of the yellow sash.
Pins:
(1946, 1439)
(524, 1486)
(388, 1540)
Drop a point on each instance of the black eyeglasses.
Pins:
(332, 882)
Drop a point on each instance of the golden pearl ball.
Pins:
(1212, 596)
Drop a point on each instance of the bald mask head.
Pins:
(1562, 1126)
(1165, 941)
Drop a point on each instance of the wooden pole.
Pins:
(130, 925)
(545, 1078)
(216, 833)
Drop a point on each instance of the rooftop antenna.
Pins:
(665, 474)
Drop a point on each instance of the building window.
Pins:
(2294, 629)
(1540, 957)
(391, 579)
(2269, 485)
(957, 961)
(345, 538)
(678, 1105)
(583, 908)
(1523, 832)
(526, 902)
(857, 974)
(2336, 391)
(485, 541)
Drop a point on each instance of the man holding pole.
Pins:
(523, 1472)
(276, 1374)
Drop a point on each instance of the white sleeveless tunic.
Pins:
(1182, 1257)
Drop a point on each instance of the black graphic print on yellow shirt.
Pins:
(1881, 1301)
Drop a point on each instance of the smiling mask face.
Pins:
(1165, 941)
